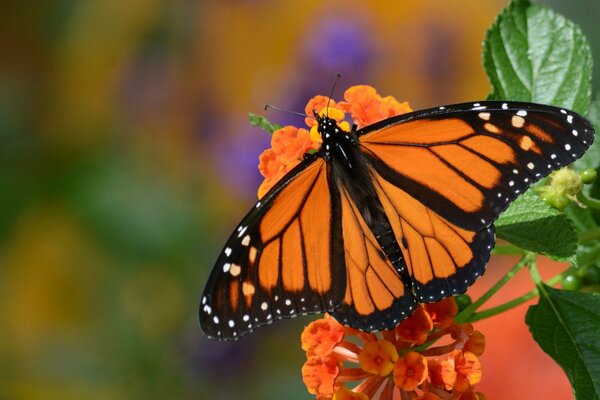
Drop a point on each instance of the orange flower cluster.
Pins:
(398, 363)
(289, 144)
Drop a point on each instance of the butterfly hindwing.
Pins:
(442, 259)
(376, 297)
(467, 162)
(281, 261)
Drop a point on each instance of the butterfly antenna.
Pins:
(337, 77)
(267, 106)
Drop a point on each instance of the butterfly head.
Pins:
(332, 134)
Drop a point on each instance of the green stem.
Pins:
(535, 274)
(588, 201)
(466, 313)
(518, 301)
(591, 235)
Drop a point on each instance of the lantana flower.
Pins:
(386, 366)
(289, 143)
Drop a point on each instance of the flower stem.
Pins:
(466, 313)
(588, 201)
(519, 300)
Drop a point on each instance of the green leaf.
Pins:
(535, 226)
(262, 122)
(566, 325)
(531, 53)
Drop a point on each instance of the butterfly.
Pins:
(386, 217)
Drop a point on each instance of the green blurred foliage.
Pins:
(126, 158)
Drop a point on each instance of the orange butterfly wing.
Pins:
(281, 261)
(444, 175)
(376, 297)
(468, 162)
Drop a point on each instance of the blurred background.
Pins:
(126, 159)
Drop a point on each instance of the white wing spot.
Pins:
(504, 106)
(553, 156)
(264, 306)
(442, 108)
(563, 111)
(228, 251)
(258, 204)
(231, 323)
(246, 318)
(530, 165)
(521, 113)
(567, 146)
(484, 115)
(204, 300)
(570, 119)
(575, 133)
(207, 309)
(216, 319)
(515, 171)
(511, 183)
(288, 302)
(226, 267)
(242, 231)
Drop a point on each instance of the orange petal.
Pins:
(268, 165)
(443, 312)
(410, 371)
(415, 328)
(319, 375)
(321, 336)
(442, 373)
(343, 393)
(467, 365)
(378, 357)
(475, 344)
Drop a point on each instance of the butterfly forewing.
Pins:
(467, 162)
(281, 261)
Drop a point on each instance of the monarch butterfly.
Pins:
(385, 217)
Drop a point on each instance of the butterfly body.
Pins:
(387, 216)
